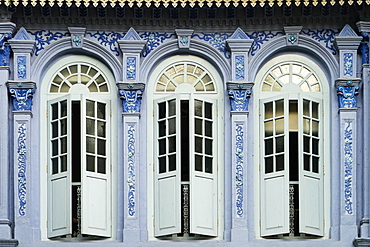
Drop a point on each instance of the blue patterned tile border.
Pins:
(325, 36)
(239, 170)
(131, 179)
(44, 38)
(348, 167)
(109, 40)
(21, 159)
(154, 39)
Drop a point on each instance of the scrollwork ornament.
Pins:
(348, 167)
(239, 67)
(131, 100)
(239, 99)
(22, 148)
(239, 170)
(22, 99)
(4, 49)
(131, 178)
(347, 96)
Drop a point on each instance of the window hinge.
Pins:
(110, 223)
(323, 112)
(47, 113)
(47, 224)
(47, 169)
(153, 113)
(323, 222)
(260, 222)
(259, 167)
(111, 168)
(153, 167)
(217, 167)
(216, 112)
(111, 112)
(259, 112)
(153, 222)
(218, 222)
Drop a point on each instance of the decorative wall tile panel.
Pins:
(239, 170)
(131, 68)
(22, 67)
(348, 167)
(21, 160)
(131, 178)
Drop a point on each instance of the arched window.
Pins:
(291, 148)
(79, 150)
(187, 142)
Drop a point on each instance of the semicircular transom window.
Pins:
(291, 75)
(185, 72)
(79, 74)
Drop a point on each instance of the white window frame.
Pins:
(258, 141)
(77, 93)
(183, 93)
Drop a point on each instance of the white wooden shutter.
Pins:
(203, 167)
(274, 166)
(95, 168)
(310, 172)
(167, 166)
(59, 167)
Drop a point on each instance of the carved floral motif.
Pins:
(131, 100)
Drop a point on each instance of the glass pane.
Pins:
(54, 166)
(315, 110)
(172, 126)
(101, 165)
(101, 129)
(162, 164)
(315, 146)
(315, 164)
(279, 110)
(198, 126)
(90, 108)
(208, 128)
(102, 87)
(171, 108)
(172, 162)
(90, 126)
(269, 165)
(162, 128)
(276, 87)
(63, 108)
(63, 127)
(54, 145)
(306, 162)
(54, 129)
(266, 87)
(162, 110)
(306, 108)
(208, 146)
(306, 144)
(306, 126)
(90, 163)
(315, 128)
(208, 110)
(198, 163)
(63, 145)
(101, 110)
(293, 115)
(64, 88)
(198, 108)
(268, 128)
(101, 147)
(268, 110)
(279, 144)
(280, 162)
(162, 146)
(54, 111)
(208, 164)
(73, 69)
(172, 144)
(63, 163)
(93, 87)
(90, 145)
(269, 146)
(279, 126)
(198, 144)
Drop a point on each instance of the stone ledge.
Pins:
(8, 242)
(358, 242)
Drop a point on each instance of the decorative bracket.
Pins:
(239, 94)
(22, 94)
(131, 94)
(184, 37)
(4, 49)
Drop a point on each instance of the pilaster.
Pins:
(364, 240)
(348, 85)
(239, 94)
(22, 94)
(6, 194)
(130, 90)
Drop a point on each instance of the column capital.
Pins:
(131, 95)
(22, 93)
(347, 96)
(239, 94)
